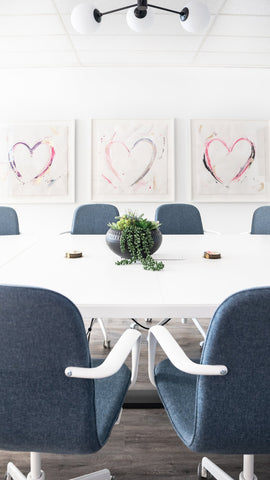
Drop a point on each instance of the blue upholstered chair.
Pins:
(9, 224)
(181, 219)
(54, 397)
(93, 219)
(261, 221)
(222, 404)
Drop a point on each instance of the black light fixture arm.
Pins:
(183, 14)
(141, 10)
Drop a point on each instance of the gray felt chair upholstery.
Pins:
(226, 414)
(93, 219)
(41, 409)
(261, 221)
(179, 219)
(9, 224)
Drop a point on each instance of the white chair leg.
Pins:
(199, 327)
(99, 475)
(248, 468)
(106, 342)
(209, 466)
(13, 473)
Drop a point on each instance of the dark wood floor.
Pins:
(144, 446)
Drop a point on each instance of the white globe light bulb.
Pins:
(82, 18)
(139, 24)
(198, 17)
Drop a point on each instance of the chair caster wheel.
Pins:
(200, 476)
(107, 344)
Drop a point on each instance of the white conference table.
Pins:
(12, 246)
(189, 285)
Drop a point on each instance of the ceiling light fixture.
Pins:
(194, 17)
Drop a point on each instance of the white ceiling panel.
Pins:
(233, 59)
(236, 44)
(142, 43)
(26, 7)
(30, 25)
(43, 43)
(247, 7)
(136, 58)
(38, 59)
(39, 33)
(239, 25)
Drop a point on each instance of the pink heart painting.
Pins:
(31, 164)
(129, 165)
(237, 167)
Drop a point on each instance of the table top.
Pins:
(13, 245)
(188, 286)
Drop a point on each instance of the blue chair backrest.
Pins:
(41, 409)
(179, 219)
(93, 219)
(233, 411)
(261, 221)
(9, 224)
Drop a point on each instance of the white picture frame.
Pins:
(229, 160)
(37, 162)
(133, 160)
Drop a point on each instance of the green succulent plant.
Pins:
(136, 238)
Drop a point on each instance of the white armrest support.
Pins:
(212, 231)
(130, 341)
(176, 355)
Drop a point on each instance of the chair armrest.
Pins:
(176, 355)
(212, 231)
(130, 341)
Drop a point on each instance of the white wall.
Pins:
(180, 93)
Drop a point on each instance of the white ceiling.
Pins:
(38, 33)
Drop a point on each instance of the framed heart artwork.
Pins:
(229, 160)
(132, 160)
(37, 162)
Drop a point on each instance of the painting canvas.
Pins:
(37, 162)
(229, 160)
(132, 160)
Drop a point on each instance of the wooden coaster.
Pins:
(74, 254)
(212, 255)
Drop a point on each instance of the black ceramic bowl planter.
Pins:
(113, 241)
(135, 238)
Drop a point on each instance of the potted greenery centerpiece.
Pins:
(135, 238)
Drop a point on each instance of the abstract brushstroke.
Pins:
(208, 165)
(109, 159)
(12, 162)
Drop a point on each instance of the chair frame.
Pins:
(130, 341)
(174, 352)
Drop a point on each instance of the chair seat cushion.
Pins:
(177, 391)
(109, 397)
